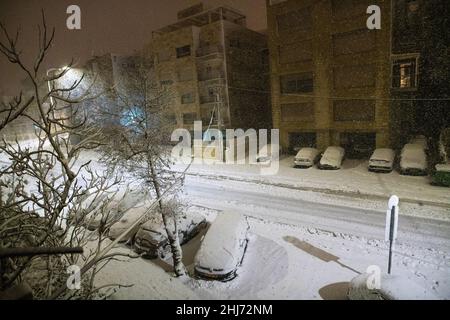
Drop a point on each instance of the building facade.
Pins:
(330, 74)
(215, 68)
(420, 69)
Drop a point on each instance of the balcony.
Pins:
(212, 75)
(209, 99)
(214, 51)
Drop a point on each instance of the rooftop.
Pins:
(206, 17)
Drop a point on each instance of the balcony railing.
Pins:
(204, 51)
(209, 99)
(211, 75)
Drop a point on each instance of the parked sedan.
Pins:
(306, 157)
(332, 158)
(151, 240)
(266, 155)
(222, 249)
(382, 160)
(413, 160)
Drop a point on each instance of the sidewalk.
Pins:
(353, 180)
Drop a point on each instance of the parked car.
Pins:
(124, 223)
(151, 240)
(332, 158)
(441, 175)
(413, 160)
(307, 157)
(223, 247)
(420, 140)
(382, 160)
(265, 154)
(115, 208)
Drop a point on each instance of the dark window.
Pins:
(183, 51)
(354, 110)
(297, 83)
(404, 73)
(412, 12)
(189, 118)
(300, 20)
(187, 98)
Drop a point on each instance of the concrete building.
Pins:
(215, 67)
(330, 74)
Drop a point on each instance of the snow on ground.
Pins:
(353, 179)
(282, 262)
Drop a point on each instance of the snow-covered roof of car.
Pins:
(220, 249)
(413, 156)
(307, 153)
(383, 154)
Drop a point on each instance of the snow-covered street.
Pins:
(304, 245)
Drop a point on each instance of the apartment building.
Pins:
(215, 68)
(420, 69)
(330, 74)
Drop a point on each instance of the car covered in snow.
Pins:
(104, 211)
(389, 287)
(151, 240)
(382, 160)
(125, 222)
(266, 155)
(420, 140)
(223, 247)
(307, 157)
(332, 158)
(413, 160)
(441, 175)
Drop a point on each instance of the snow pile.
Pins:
(443, 167)
(392, 287)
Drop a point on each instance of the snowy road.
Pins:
(307, 209)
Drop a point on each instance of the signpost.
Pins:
(391, 227)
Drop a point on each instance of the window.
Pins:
(412, 12)
(296, 52)
(354, 110)
(297, 83)
(189, 118)
(183, 51)
(187, 98)
(354, 76)
(299, 20)
(404, 73)
(297, 112)
(353, 42)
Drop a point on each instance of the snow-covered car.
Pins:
(151, 240)
(265, 155)
(306, 157)
(115, 208)
(124, 223)
(223, 247)
(382, 160)
(389, 287)
(332, 158)
(413, 160)
(420, 140)
(441, 175)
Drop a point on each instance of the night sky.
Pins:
(117, 26)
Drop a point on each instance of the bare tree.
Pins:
(47, 190)
(141, 138)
